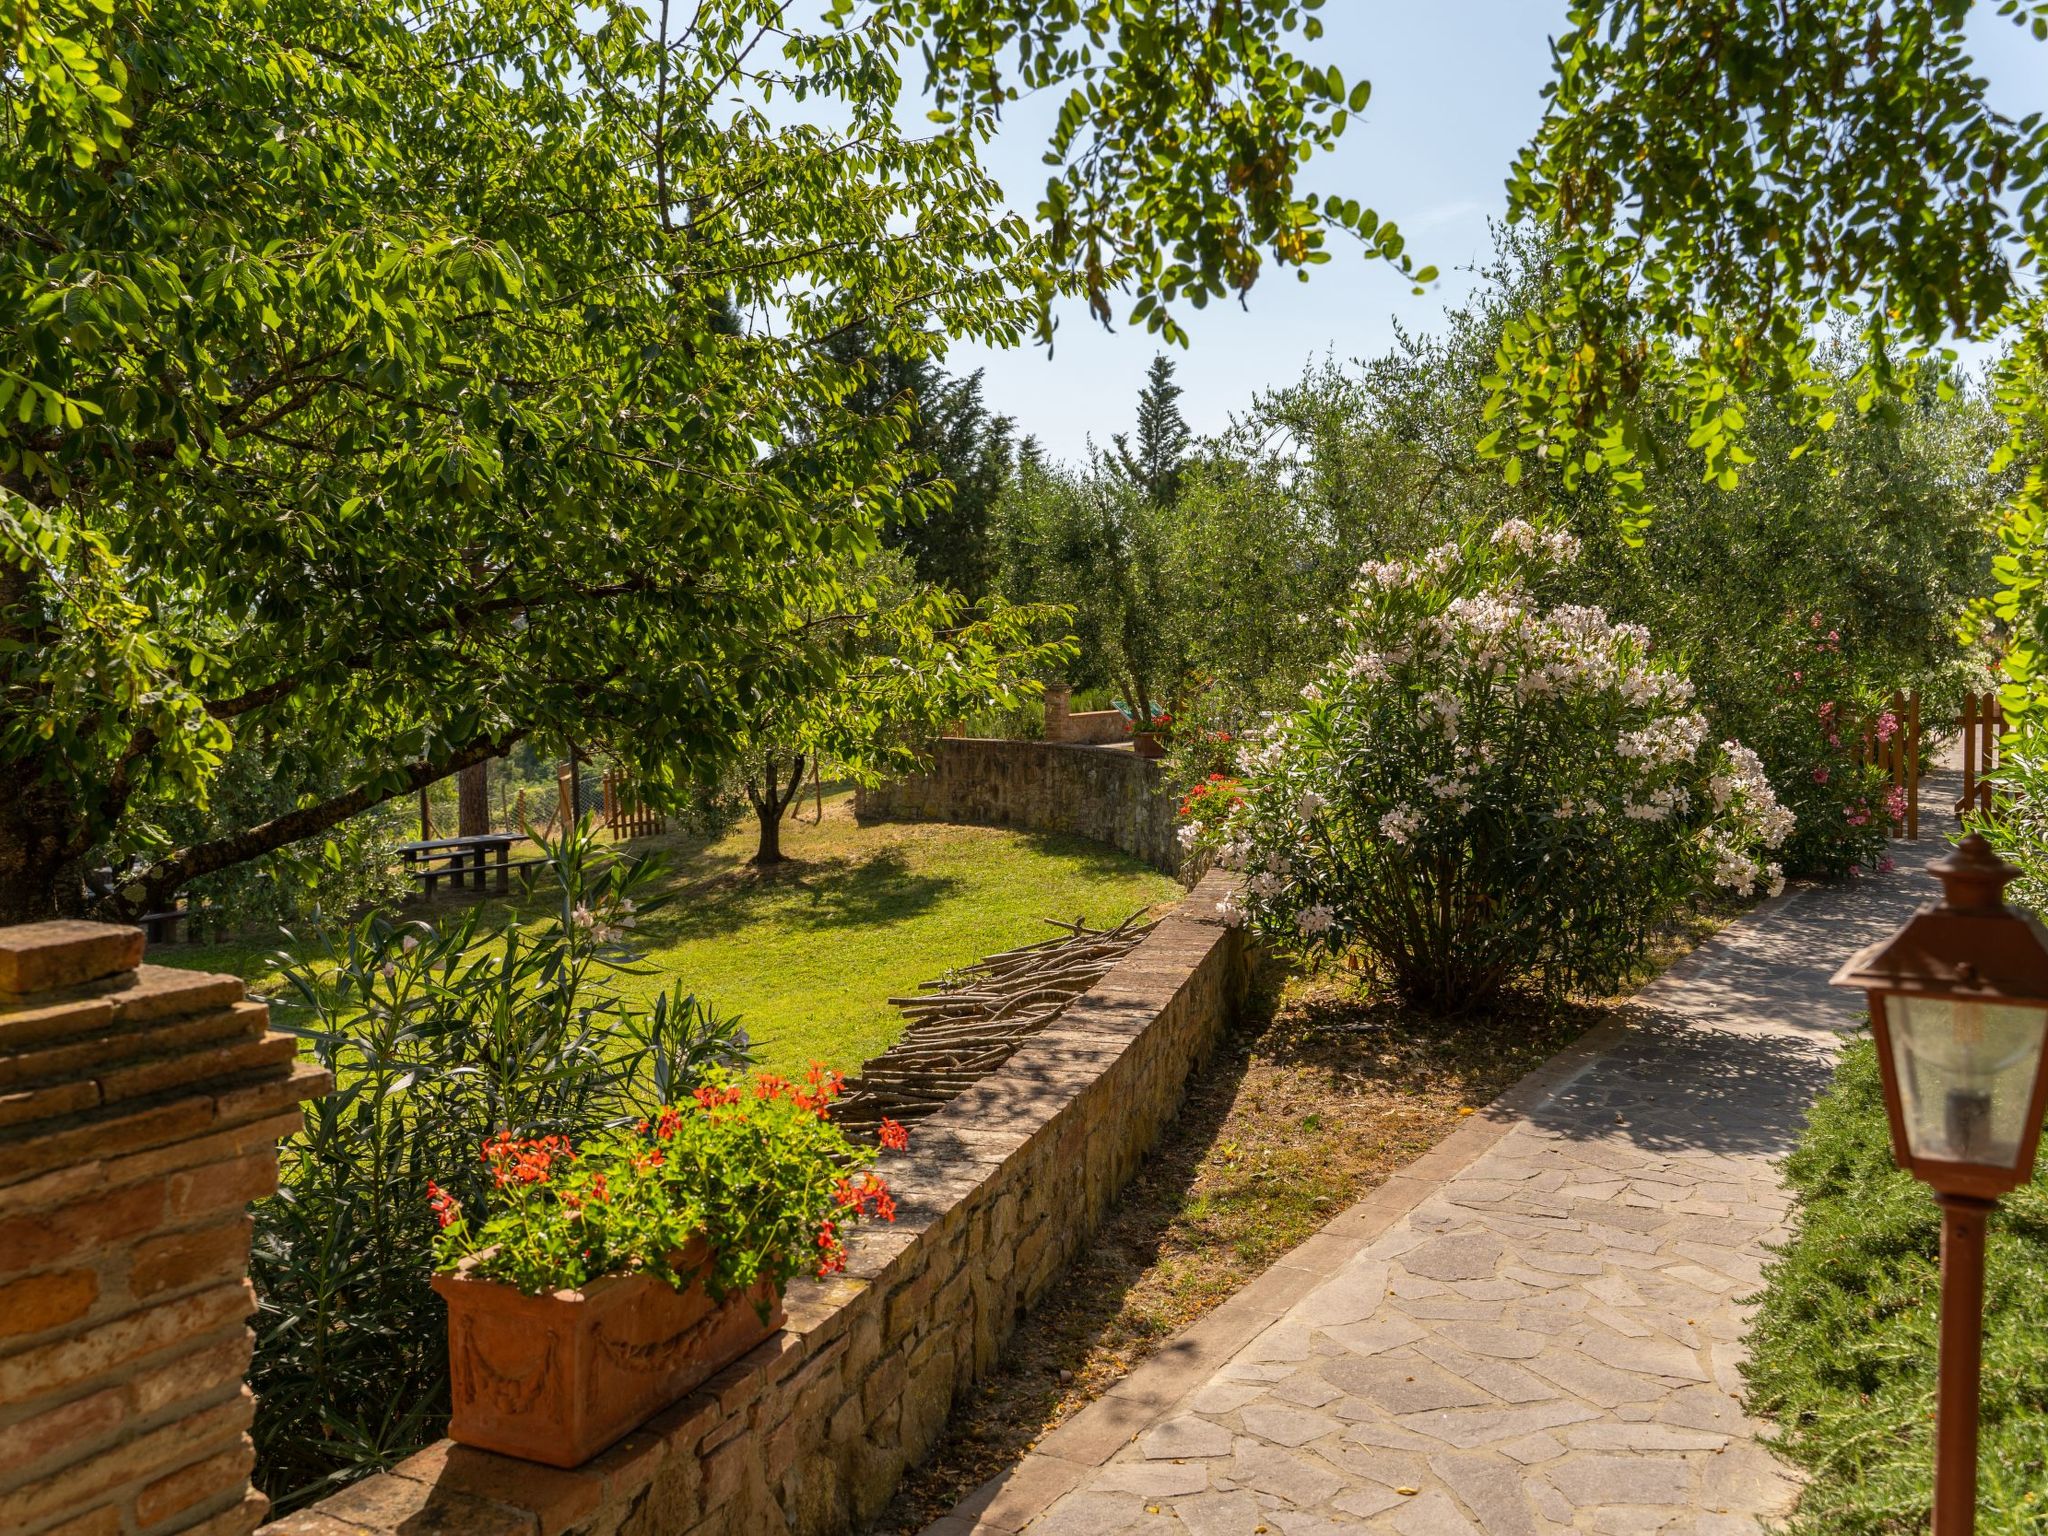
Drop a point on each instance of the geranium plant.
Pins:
(754, 1167)
(1482, 790)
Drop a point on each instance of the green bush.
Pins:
(1843, 1351)
(438, 1039)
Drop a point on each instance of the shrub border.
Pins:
(813, 1430)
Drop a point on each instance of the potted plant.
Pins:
(611, 1279)
(1149, 739)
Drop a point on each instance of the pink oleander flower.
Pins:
(1885, 865)
(1887, 726)
(1820, 774)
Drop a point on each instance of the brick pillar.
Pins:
(140, 1110)
(1058, 697)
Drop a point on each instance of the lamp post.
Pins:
(1959, 1007)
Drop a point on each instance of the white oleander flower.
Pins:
(1312, 920)
(1400, 824)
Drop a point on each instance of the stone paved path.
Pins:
(1541, 1338)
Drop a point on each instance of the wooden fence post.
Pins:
(1913, 765)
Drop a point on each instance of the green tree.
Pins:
(1718, 180)
(961, 463)
(1154, 466)
(907, 658)
(1091, 544)
(412, 383)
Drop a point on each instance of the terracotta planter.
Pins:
(1149, 743)
(557, 1378)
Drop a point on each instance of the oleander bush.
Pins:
(1843, 1349)
(1485, 791)
(439, 1039)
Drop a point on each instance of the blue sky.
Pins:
(1456, 91)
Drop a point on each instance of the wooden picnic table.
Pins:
(461, 859)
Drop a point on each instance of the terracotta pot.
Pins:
(1148, 743)
(557, 1378)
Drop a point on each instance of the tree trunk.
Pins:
(770, 798)
(40, 875)
(473, 800)
(769, 850)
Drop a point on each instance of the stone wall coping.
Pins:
(957, 1157)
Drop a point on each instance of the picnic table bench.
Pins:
(463, 860)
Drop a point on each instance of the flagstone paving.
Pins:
(1540, 1338)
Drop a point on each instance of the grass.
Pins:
(809, 953)
(1317, 1094)
(1843, 1352)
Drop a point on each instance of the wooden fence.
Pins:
(624, 813)
(1983, 739)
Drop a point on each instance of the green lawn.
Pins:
(809, 955)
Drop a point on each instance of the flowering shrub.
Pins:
(439, 1036)
(1809, 740)
(1483, 791)
(755, 1167)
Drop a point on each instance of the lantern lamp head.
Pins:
(1959, 1008)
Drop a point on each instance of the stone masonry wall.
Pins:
(811, 1432)
(140, 1109)
(1109, 794)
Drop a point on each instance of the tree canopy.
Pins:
(405, 382)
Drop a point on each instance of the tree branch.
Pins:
(152, 890)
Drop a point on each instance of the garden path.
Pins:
(1534, 1328)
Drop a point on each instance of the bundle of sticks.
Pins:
(970, 1021)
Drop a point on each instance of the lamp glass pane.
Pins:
(1966, 1075)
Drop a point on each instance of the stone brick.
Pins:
(557, 1499)
(21, 1105)
(194, 1484)
(84, 1483)
(28, 1025)
(42, 1238)
(67, 1362)
(43, 1302)
(261, 1099)
(390, 1503)
(812, 1431)
(211, 1065)
(238, 1519)
(180, 1260)
(39, 1150)
(44, 957)
(104, 1521)
(165, 991)
(87, 1055)
(80, 1422)
(220, 1146)
(223, 1186)
(192, 1377)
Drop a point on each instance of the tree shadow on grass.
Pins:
(1087, 855)
(824, 897)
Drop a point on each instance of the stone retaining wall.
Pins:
(1108, 794)
(812, 1431)
(140, 1110)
